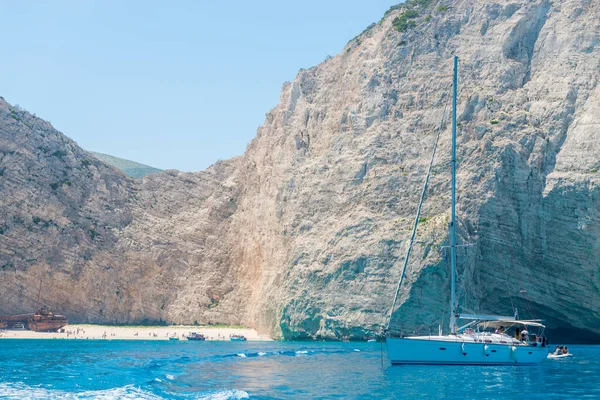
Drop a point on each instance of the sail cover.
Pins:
(486, 317)
(498, 324)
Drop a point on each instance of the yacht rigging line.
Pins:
(416, 223)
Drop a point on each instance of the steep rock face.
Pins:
(181, 225)
(60, 209)
(81, 237)
(303, 236)
(337, 168)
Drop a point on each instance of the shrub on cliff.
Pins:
(405, 21)
(411, 4)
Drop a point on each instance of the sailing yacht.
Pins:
(473, 343)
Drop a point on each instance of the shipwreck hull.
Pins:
(46, 324)
(34, 322)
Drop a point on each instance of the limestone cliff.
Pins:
(303, 235)
(104, 247)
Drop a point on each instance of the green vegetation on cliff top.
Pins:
(406, 20)
(131, 168)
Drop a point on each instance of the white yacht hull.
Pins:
(445, 352)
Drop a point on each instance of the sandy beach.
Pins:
(102, 332)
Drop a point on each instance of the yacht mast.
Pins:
(453, 223)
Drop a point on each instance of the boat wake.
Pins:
(291, 353)
(21, 391)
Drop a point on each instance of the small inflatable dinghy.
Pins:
(559, 356)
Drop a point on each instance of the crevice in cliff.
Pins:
(360, 175)
(553, 146)
(521, 42)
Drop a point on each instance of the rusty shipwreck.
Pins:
(42, 321)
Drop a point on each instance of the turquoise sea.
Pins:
(81, 369)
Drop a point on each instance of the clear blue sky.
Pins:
(171, 84)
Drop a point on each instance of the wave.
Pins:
(301, 352)
(225, 395)
(19, 391)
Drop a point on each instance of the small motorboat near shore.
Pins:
(196, 336)
(237, 338)
(173, 338)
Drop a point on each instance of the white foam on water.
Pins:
(302, 352)
(170, 377)
(231, 394)
(260, 354)
(21, 391)
(242, 355)
(357, 350)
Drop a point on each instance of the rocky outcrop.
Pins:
(102, 247)
(303, 235)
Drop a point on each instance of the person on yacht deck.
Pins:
(524, 334)
(500, 330)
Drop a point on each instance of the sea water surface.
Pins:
(86, 369)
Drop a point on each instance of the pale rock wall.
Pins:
(340, 162)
